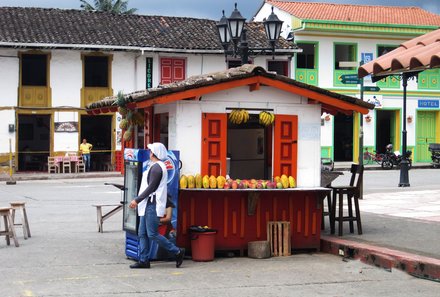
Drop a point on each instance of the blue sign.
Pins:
(428, 103)
(367, 57)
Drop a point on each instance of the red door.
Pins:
(285, 145)
(172, 70)
(214, 137)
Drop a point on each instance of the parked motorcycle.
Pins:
(434, 148)
(391, 158)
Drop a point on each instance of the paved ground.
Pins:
(66, 256)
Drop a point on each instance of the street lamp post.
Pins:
(232, 28)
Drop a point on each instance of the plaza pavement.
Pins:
(66, 256)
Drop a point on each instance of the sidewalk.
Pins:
(55, 176)
(344, 166)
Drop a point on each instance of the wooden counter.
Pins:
(241, 215)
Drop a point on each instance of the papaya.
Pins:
(212, 182)
(191, 182)
(284, 181)
(292, 182)
(198, 179)
(205, 182)
(183, 182)
(221, 180)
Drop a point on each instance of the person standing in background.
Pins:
(85, 149)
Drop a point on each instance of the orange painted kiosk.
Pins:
(241, 123)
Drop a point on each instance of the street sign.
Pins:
(349, 76)
(371, 89)
(351, 81)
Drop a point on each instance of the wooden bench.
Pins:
(100, 217)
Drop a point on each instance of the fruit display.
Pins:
(238, 116)
(266, 118)
(130, 118)
(220, 182)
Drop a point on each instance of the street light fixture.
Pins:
(232, 28)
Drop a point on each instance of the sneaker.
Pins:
(140, 265)
(179, 257)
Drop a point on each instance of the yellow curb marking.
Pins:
(176, 273)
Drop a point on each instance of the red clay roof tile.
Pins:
(358, 13)
(420, 53)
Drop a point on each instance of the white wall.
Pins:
(66, 78)
(124, 72)
(7, 117)
(66, 141)
(187, 137)
(9, 77)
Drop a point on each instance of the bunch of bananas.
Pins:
(266, 118)
(238, 116)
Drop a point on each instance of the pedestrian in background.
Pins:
(151, 202)
(85, 149)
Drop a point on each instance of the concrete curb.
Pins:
(415, 265)
(46, 176)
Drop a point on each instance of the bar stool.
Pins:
(9, 231)
(20, 206)
(352, 191)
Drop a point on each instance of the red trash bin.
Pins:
(203, 245)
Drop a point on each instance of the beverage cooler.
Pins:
(137, 161)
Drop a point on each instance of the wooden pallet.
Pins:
(278, 235)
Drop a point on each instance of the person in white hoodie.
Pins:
(150, 203)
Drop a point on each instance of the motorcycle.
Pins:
(391, 158)
(434, 148)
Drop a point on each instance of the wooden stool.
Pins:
(328, 212)
(21, 207)
(278, 235)
(351, 191)
(9, 231)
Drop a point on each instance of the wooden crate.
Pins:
(278, 235)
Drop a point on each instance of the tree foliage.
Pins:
(113, 6)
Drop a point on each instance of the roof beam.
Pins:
(192, 93)
(338, 103)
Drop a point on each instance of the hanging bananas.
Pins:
(238, 116)
(266, 118)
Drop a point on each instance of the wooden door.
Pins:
(425, 135)
(285, 145)
(172, 70)
(214, 137)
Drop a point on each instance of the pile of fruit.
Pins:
(130, 118)
(266, 118)
(220, 182)
(238, 116)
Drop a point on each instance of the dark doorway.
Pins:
(383, 129)
(33, 142)
(248, 150)
(343, 138)
(98, 132)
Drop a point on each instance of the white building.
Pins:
(54, 62)
(333, 33)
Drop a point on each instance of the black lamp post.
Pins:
(232, 28)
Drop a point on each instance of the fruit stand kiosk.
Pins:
(249, 142)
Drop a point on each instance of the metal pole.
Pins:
(404, 176)
(361, 135)
(11, 180)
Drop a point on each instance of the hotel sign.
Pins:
(428, 104)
